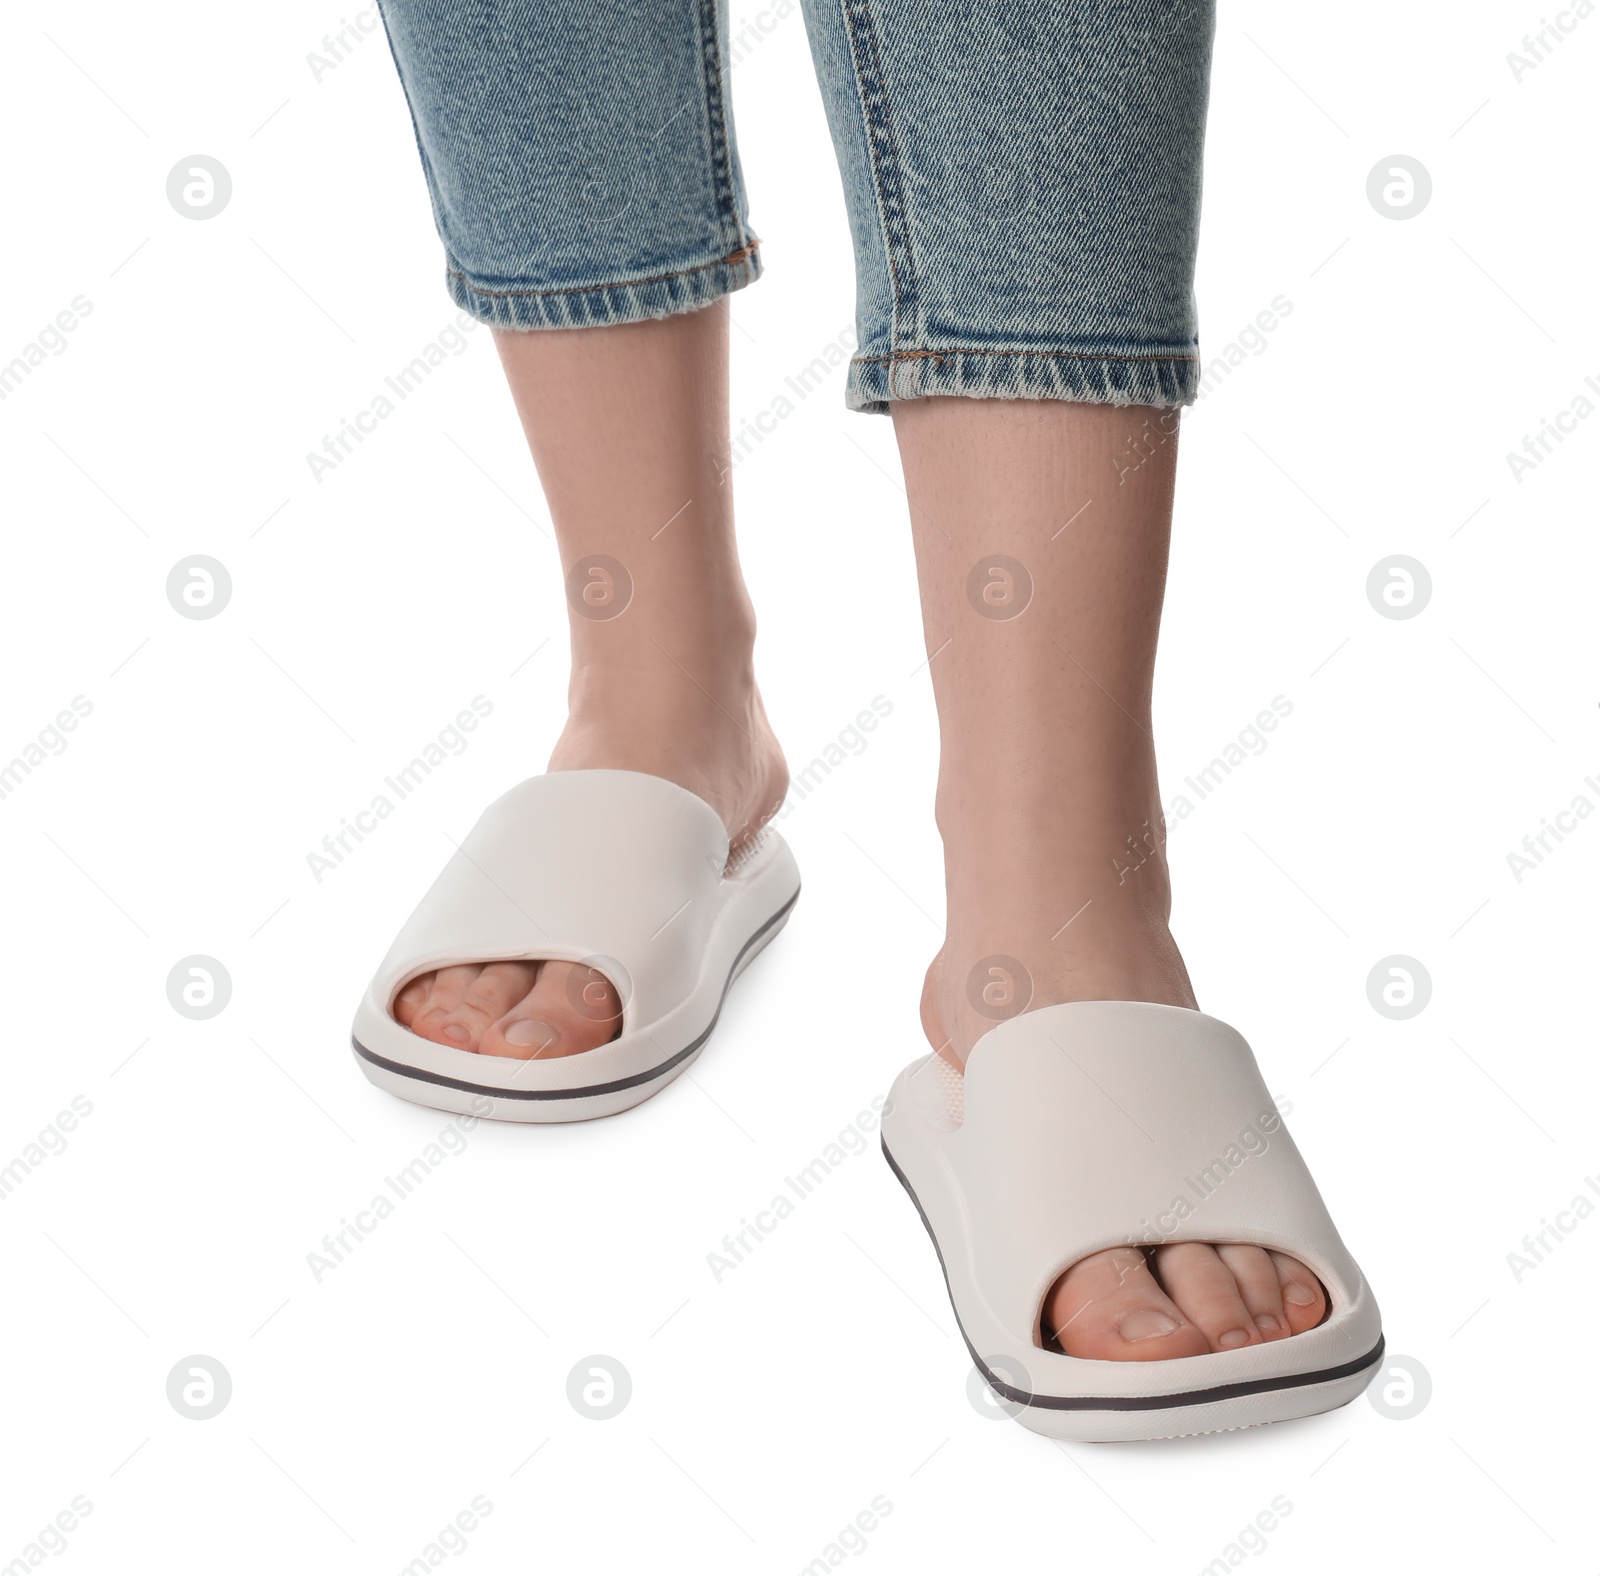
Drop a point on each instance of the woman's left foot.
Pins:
(723, 750)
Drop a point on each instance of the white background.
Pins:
(369, 608)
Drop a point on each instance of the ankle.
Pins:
(1011, 860)
(687, 646)
(653, 715)
(1032, 925)
(709, 735)
(983, 977)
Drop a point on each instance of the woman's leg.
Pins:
(629, 430)
(1023, 184)
(584, 180)
(1025, 227)
(1041, 533)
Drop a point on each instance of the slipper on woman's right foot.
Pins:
(1098, 1125)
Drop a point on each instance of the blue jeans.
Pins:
(1022, 178)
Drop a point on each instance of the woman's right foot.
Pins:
(722, 749)
(1128, 1304)
(1041, 588)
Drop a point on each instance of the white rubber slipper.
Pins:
(1097, 1124)
(619, 870)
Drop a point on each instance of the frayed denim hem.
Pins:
(1090, 379)
(595, 306)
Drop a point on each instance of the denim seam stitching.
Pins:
(880, 139)
(716, 121)
(1073, 355)
(744, 253)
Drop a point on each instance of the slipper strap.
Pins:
(1096, 1124)
(615, 868)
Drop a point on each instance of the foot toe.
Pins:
(1198, 1281)
(412, 1000)
(460, 1009)
(1256, 1276)
(570, 1008)
(1185, 1299)
(1109, 1305)
(444, 990)
(1305, 1304)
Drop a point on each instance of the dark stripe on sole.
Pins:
(1121, 1403)
(424, 1076)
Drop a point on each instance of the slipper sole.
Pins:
(1107, 1420)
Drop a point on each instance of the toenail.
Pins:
(1230, 1338)
(1145, 1325)
(454, 1031)
(1300, 1296)
(1270, 1323)
(529, 1031)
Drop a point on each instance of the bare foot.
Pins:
(628, 426)
(1125, 1304)
(537, 1009)
(1041, 530)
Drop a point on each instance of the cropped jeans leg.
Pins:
(579, 155)
(1022, 178)
(1023, 183)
